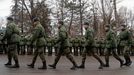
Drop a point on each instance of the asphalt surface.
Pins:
(63, 67)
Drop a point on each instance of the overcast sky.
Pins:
(5, 6)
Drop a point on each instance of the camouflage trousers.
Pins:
(12, 53)
(126, 50)
(90, 50)
(39, 52)
(108, 52)
(65, 51)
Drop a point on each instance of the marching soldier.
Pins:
(22, 45)
(12, 37)
(63, 42)
(89, 47)
(111, 46)
(97, 45)
(81, 45)
(49, 46)
(102, 46)
(56, 46)
(125, 40)
(38, 37)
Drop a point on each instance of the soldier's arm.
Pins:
(35, 35)
(8, 32)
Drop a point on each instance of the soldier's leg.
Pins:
(45, 50)
(60, 52)
(96, 57)
(42, 56)
(9, 56)
(107, 53)
(23, 50)
(34, 59)
(77, 51)
(49, 51)
(74, 51)
(56, 50)
(15, 56)
(117, 57)
(70, 49)
(127, 56)
(70, 57)
(83, 58)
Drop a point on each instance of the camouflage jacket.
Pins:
(12, 33)
(110, 41)
(38, 36)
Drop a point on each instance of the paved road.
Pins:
(63, 67)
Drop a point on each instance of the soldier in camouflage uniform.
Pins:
(102, 46)
(81, 45)
(1, 44)
(63, 42)
(111, 46)
(89, 46)
(76, 46)
(125, 43)
(56, 46)
(29, 46)
(22, 45)
(97, 45)
(49, 46)
(38, 37)
(71, 44)
(12, 37)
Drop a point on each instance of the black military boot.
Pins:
(52, 66)
(82, 66)
(31, 65)
(9, 62)
(107, 62)
(101, 67)
(121, 63)
(44, 66)
(74, 65)
(128, 61)
(16, 64)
